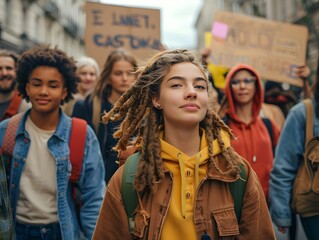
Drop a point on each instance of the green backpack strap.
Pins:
(129, 195)
(237, 190)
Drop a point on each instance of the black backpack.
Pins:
(268, 125)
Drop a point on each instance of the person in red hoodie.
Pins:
(244, 98)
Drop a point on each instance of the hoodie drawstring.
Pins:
(183, 188)
(198, 157)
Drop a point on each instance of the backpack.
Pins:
(305, 194)
(268, 125)
(76, 144)
(130, 198)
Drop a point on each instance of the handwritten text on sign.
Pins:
(273, 48)
(110, 27)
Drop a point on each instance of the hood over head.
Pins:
(258, 98)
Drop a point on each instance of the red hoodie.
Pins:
(253, 140)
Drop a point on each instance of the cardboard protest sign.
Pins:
(273, 48)
(109, 27)
(218, 72)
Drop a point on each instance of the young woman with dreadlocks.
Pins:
(186, 162)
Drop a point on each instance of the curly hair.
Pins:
(13, 55)
(49, 57)
(143, 118)
(103, 87)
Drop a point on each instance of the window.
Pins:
(8, 7)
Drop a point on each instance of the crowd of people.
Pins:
(203, 162)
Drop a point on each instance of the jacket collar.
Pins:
(61, 131)
(214, 174)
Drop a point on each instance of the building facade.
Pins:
(28, 23)
(304, 12)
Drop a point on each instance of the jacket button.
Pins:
(188, 195)
(205, 237)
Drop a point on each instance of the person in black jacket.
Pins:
(116, 77)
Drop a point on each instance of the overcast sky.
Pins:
(178, 19)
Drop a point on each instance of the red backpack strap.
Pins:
(77, 146)
(9, 140)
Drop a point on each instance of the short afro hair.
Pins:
(48, 57)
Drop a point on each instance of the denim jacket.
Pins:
(91, 182)
(289, 155)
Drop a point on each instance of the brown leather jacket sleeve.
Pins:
(255, 218)
(255, 221)
(112, 222)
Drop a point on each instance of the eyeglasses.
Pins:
(247, 81)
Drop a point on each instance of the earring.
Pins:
(158, 106)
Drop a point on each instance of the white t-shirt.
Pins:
(37, 202)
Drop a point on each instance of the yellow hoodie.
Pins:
(187, 173)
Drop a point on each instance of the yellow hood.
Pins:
(180, 164)
(170, 153)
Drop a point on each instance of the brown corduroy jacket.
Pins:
(214, 213)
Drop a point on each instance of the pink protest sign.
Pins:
(220, 30)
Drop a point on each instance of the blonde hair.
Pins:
(88, 61)
(143, 119)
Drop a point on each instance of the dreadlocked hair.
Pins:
(315, 89)
(143, 119)
(213, 126)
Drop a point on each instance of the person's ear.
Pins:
(156, 103)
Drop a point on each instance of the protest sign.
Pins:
(274, 49)
(218, 72)
(109, 27)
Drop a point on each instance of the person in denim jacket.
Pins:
(39, 188)
(289, 155)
